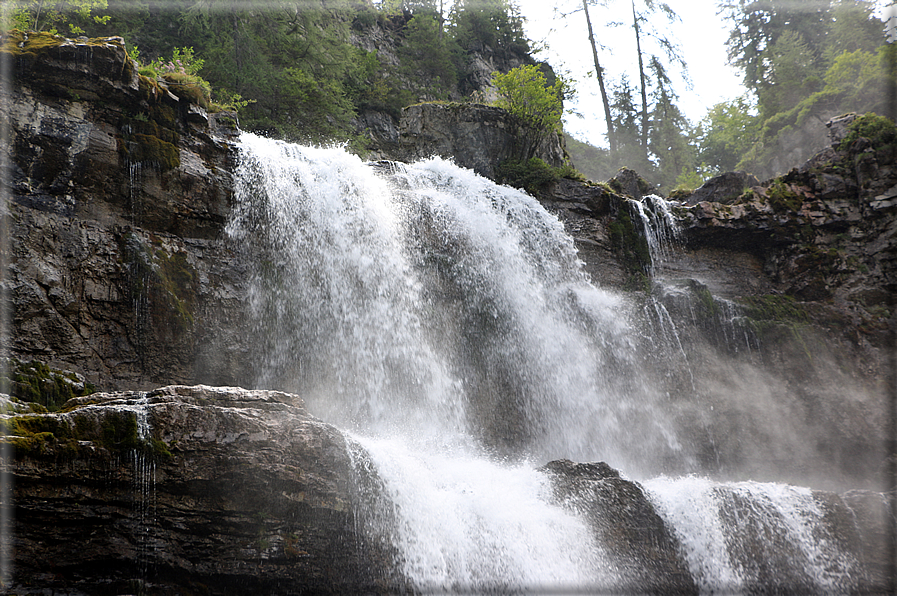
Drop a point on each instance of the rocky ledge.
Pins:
(185, 490)
(220, 490)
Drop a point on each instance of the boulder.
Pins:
(186, 489)
(725, 188)
(645, 553)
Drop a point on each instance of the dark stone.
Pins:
(725, 188)
(231, 492)
(624, 520)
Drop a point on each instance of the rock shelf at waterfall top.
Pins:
(241, 366)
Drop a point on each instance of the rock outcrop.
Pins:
(119, 192)
(219, 490)
(474, 136)
(186, 490)
(795, 279)
(647, 555)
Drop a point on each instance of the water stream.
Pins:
(447, 325)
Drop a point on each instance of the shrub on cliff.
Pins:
(538, 105)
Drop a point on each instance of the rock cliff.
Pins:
(119, 190)
(474, 136)
(230, 491)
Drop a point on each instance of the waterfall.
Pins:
(749, 537)
(447, 325)
(659, 227)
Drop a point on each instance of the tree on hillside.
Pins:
(644, 28)
(49, 15)
(599, 74)
(806, 62)
(670, 132)
(538, 105)
(497, 24)
(429, 56)
(726, 133)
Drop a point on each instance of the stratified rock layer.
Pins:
(119, 192)
(186, 490)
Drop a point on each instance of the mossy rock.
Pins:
(776, 308)
(36, 382)
(782, 199)
(143, 148)
(190, 88)
(879, 130)
(630, 243)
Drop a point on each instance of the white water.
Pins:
(745, 537)
(447, 324)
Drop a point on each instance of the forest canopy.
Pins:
(308, 70)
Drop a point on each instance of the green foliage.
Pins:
(526, 94)
(804, 61)
(493, 23)
(51, 15)
(183, 61)
(430, 57)
(593, 162)
(793, 74)
(690, 179)
(881, 131)
(726, 133)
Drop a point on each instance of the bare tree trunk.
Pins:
(599, 72)
(641, 73)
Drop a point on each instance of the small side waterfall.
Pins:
(750, 537)
(447, 325)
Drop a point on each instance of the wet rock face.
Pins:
(825, 230)
(183, 489)
(644, 551)
(119, 192)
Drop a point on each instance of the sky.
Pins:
(700, 33)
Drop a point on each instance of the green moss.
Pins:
(680, 194)
(119, 431)
(777, 308)
(30, 44)
(630, 243)
(37, 435)
(167, 277)
(782, 199)
(159, 449)
(879, 130)
(706, 303)
(192, 88)
(533, 175)
(38, 383)
(151, 149)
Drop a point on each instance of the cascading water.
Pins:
(750, 537)
(447, 325)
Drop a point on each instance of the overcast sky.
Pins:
(700, 33)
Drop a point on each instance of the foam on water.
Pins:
(448, 325)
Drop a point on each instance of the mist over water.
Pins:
(447, 326)
(424, 300)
